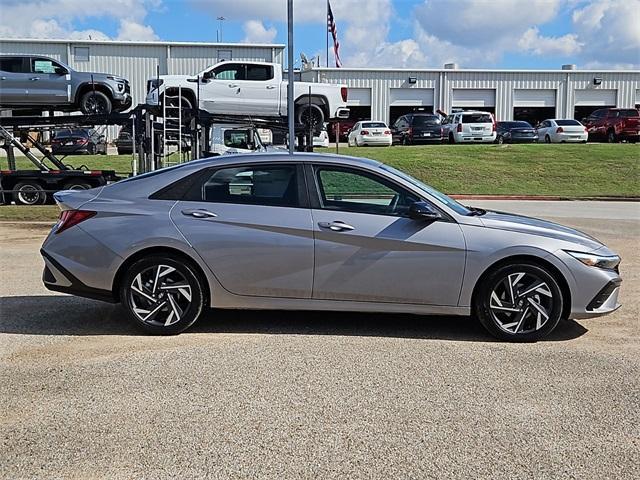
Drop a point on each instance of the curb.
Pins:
(549, 198)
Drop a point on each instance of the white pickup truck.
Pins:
(250, 89)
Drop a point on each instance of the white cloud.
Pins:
(256, 32)
(55, 18)
(565, 45)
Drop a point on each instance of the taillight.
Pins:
(364, 132)
(585, 130)
(69, 218)
(441, 131)
(387, 132)
(559, 130)
(459, 129)
(410, 131)
(343, 92)
(83, 141)
(494, 126)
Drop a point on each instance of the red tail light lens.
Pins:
(459, 129)
(364, 132)
(69, 218)
(344, 92)
(387, 132)
(559, 130)
(494, 126)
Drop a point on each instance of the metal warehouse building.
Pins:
(382, 94)
(385, 94)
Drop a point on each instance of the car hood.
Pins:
(534, 226)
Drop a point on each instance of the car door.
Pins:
(49, 83)
(259, 91)
(353, 134)
(368, 249)
(252, 226)
(396, 130)
(14, 80)
(543, 130)
(221, 92)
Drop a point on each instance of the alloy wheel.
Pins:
(521, 303)
(160, 295)
(96, 104)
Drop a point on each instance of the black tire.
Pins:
(612, 137)
(523, 317)
(547, 139)
(77, 185)
(91, 149)
(452, 139)
(310, 116)
(95, 103)
(500, 140)
(190, 306)
(29, 193)
(405, 141)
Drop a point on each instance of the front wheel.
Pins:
(95, 103)
(519, 303)
(162, 295)
(612, 137)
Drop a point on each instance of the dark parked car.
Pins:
(78, 142)
(42, 83)
(124, 142)
(516, 132)
(417, 128)
(613, 124)
(345, 128)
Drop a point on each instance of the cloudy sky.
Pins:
(373, 33)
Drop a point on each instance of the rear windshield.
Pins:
(476, 118)
(72, 133)
(515, 124)
(426, 120)
(374, 125)
(567, 123)
(628, 113)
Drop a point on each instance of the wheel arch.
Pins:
(161, 250)
(186, 92)
(88, 87)
(531, 259)
(318, 100)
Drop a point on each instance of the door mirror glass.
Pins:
(423, 211)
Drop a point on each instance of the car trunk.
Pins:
(477, 124)
(523, 132)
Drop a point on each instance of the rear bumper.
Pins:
(375, 141)
(568, 137)
(468, 138)
(523, 139)
(70, 150)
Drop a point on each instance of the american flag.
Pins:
(331, 26)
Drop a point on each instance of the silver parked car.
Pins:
(322, 232)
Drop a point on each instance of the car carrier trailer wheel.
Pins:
(29, 193)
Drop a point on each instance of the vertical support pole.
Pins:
(337, 136)
(290, 106)
(180, 124)
(134, 144)
(310, 141)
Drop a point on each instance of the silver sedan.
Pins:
(321, 232)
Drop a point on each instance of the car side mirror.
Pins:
(208, 75)
(423, 211)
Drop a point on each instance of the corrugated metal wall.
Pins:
(503, 82)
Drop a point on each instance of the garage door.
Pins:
(638, 96)
(359, 97)
(534, 98)
(468, 97)
(596, 98)
(411, 97)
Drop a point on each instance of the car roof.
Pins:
(269, 157)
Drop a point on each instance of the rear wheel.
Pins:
(521, 302)
(162, 295)
(547, 139)
(29, 193)
(311, 116)
(452, 139)
(500, 140)
(77, 185)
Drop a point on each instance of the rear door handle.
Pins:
(33, 79)
(336, 226)
(199, 213)
(3, 78)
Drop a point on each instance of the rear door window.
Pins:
(259, 73)
(13, 65)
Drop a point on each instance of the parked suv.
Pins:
(469, 126)
(417, 128)
(614, 124)
(42, 83)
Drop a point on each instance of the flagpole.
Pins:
(326, 27)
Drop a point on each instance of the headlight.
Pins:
(116, 79)
(593, 260)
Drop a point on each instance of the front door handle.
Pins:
(199, 213)
(33, 79)
(270, 87)
(3, 78)
(233, 85)
(336, 226)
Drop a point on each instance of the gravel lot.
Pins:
(310, 395)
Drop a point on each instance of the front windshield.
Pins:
(449, 202)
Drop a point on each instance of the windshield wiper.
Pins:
(475, 211)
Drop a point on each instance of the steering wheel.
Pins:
(394, 203)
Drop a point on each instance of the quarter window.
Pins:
(259, 72)
(274, 185)
(354, 191)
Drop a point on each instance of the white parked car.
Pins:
(322, 139)
(469, 126)
(254, 89)
(369, 132)
(555, 130)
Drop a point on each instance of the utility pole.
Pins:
(219, 32)
(290, 109)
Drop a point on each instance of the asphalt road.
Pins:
(311, 395)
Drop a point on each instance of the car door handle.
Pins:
(3, 78)
(336, 226)
(270, 87)
(33, 79)
(199, 213)
(233, 85)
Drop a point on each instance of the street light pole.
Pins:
(219, 33)
(290, 109)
